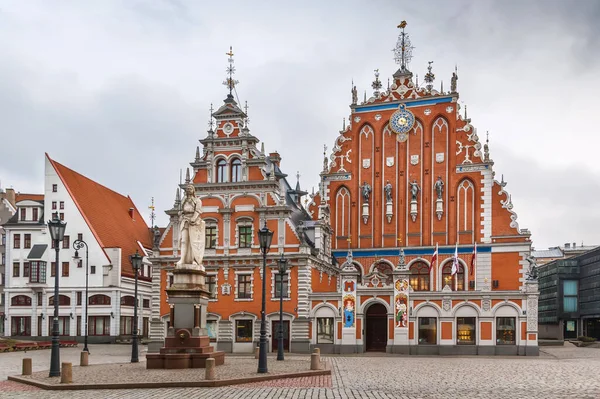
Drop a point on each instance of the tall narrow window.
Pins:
(55, 188)
(221, 171)
(23, 213)
(26, 240)
(419, 277)
(53, 205)
(278, 285)
(66, 242)
(35, 214)
(65, 269)
(245, 234)
(16, 269)
(211, 237)
(569, 295)
(17, 241)
(62, 204)
(26, 269)
(211, 284)
(244, 288)
(236, 170)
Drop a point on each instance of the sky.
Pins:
(120, 91)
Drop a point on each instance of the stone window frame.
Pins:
(244, 221)
(244, 272)
(212, 222)
(275, 272)
(216, 275)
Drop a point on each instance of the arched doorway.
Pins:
(376, 328)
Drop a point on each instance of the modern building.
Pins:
(113, 229)
(560, 252)
(407, 177)
(569, 304)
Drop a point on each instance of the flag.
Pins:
(434, 257)
(473, 259)
(455, 263)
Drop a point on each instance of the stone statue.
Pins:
(532, 272)
(366, 192)
(414, 189)
(439, 187)
(191, 229)
(453, 82)
(354, 96)
(388, 191)
(156, 237)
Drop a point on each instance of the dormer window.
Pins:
(221, 171)
(35, 215)
(23, 213)
(236, 170)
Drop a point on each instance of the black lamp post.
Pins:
(136, 262)
(57, 232)
(265, 236)
(282, 270)
(77, 245)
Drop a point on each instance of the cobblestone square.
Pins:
(559, 372)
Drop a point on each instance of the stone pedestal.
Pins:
(413, 210)
(187, 344)
(365, 212)
(439, 208)
(389, 211)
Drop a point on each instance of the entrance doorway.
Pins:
(376, 328)
(570, 329)
(275, 335)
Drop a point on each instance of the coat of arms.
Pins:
(389, 161)
(366, 163)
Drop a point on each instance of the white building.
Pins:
(112, 228)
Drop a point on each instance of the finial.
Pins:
(298, 175)
(177, 199)
(466, 112)
(210, 119)
(403, 50)
(197, 154)
(429, 77)
(388, 84)
(152, 214)
(343, 124)
(324, 158)
(365, 100)
(354, 94)
(417, 80)
(442, 87)
(486, 147)
(246, 120)
(262, 148)
(230, 82)
(376, 85)
(187, 175)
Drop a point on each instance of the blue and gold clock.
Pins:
(401, 122)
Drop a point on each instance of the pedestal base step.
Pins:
(182, 360)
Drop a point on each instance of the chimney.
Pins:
(131, 213)
(275, 158)
(567, 245)
(10, 196)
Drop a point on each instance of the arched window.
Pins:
(385, 268)
(127, 300)
(236, 170)
(221, 171)
(63, 300)
(342, 208)
(456, 282)
(99, 299)
(419, 277)
(21, 300)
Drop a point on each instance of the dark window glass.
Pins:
(35, 214)
(63, 300)
(245, 233)
(16, 269)
(243, 331)
(236, 170)
(325, 329)
(20, 300)
(26, 241)
(427, 330)
(99, 299)
(26, 269)
(55, 188)
(211, 281)
(278, 285)
(17, 241)
(20, 326)
(506, 331)
(211, 237)
(221, 171)
(244, 287)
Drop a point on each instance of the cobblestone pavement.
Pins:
(559, 372)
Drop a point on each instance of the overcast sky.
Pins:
(120, 90)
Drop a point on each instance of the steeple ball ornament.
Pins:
(429, 77)
(403, 52)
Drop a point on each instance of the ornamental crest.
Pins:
(366, 163)
(414, 159)
(389, 161)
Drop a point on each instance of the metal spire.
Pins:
(230, 82)
(210, 119)
(403, 50)
(246, 119)
(152, 214)
(429, 77)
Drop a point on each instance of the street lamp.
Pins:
(57, 232)
(77, 245)
(265, 236)
(136, 262)
(282, 262)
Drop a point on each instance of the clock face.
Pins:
(402, 121)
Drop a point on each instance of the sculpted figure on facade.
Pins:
(414, 189)
(388, 191)
(191, 229)
(532, 273)
(366, 192)
(439, 187)
(453, 82)
(354, 95)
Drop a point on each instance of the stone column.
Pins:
(157, 329)
(531, 288)
(401, 307)
(349, 280)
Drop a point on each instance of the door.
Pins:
(376, 328)
(570, 329)
(275, 335)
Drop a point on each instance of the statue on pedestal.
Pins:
(439, 187)
(414, 189)
(388, 191)
(191, 229)
(366, 192)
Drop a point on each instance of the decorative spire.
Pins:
(152, 214)
(442, 87)
(403, 51)
(262, 148)
(298, 180)
(343, 124)
(486, 147)
(211, 122)
(365, 99)
(429, 77)
(466, 112)
(229, 81)
(187, 175)
(197, 154)
(177, 199)
(246, 120)
(324, 158)
(376, 85)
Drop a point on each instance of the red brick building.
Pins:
(407, 174)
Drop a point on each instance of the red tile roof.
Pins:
(107, 214)
(31, 197)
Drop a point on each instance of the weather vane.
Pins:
(404, 48)
(210, 119)
(152, 214)
(230, 82)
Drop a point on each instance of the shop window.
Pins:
(99, 325)
(20, 326)
(64, 326)
(243, 331)
(427, 330)
(211, 328)
(505, 331)
(325, 330)
(465, 330)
